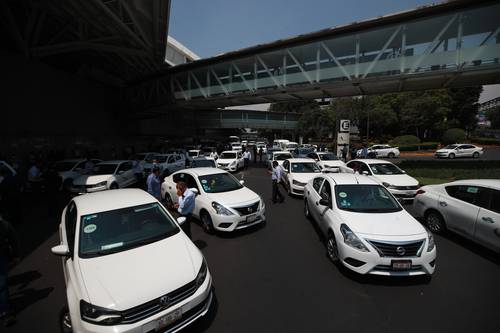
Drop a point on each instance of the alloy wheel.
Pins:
(434, 223)
(331, 247)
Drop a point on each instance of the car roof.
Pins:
(203, 171)
(301, 160)
(371, 161)
(73, 160)
(350, 178)
(111, 199)
(324, 152)
(114, 161)
(477, 182)
(230, 151)
(277, 152)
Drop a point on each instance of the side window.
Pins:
(285, 165)
(353, 165)
(495, 201)
(363, 167)
(190, 181)
(70, 224)
(317, 183)
(326, 191)
(179, 177)
(80, 166)
(463, 192)
(483, 197)
(125, 166)
(171, 159)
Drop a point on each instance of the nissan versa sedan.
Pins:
(470, 208)
(366, 228)
(128, 266)
(297, 172)
(107, 175)
(222, 202)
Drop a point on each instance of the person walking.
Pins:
(276, 178)
(246, 158)
(364, 152)
(261, 152)
(344, 153)
(254, 153)
(9, 253)
(154, 184)
(185, 206)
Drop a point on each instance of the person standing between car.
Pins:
(185, 206)
(246, 158)
(9, 253)
(254, 153)
(35, 177)
(88, 167)
(261, 151)
(364, 152)
(344, 153)
(154, 184)
(138, 171)
(275, 178)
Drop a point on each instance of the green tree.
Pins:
(493, 116)
(464, 107)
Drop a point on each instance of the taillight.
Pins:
(420, 192)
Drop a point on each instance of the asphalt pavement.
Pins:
(276, 278)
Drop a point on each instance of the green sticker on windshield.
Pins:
(343, 195)
(203, 181)
(90, 228)
(473, 190)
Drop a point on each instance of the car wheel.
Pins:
(113, 186)
(451, 156)
(307, 212)
(434, 221)
(391, 155)
(206, 223)
(331, 248)
(475, 155)
(65, 320)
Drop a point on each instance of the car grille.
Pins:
(388, 268)
(398, 250)
(246, 210)
(223, 164)
(406, 187)
(150, 308)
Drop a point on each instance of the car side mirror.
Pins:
(324, 202)
(366, 173)
(403, 171)
(242, 182)
(121, 172)
(61, 250)
(181, 220)
(195, 191)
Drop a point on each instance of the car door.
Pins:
(125, 174)
(487, 231)
(459, 208)
(326, 194)
(313, 196)
(179, 162)
(285, 174)
(70, 222)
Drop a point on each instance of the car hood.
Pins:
(240, 197)
(305, 177)
(126, 279)
(329, 164)
(91, 179)
(226, 160)
(382, 224)
(398, 180)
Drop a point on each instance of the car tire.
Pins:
(332, 250)
(435, 222)
(65, 320)
(475, 155)
(113, 186)
(206, 223)
(451, 156)
(391, 155)
(307, 212)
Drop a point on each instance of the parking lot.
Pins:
(277, 278)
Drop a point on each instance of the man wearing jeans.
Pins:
(9, 250)
(185, 206)
(276, 177)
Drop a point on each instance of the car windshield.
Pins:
(219, 182)
(385, 169)
(193, 153)
(161, 158)
(122, 229)
(282, 157)
(328, 157)
(365, 199)
(104, 169)
(203, 164)
(228, 155)
(64, 166)
(451, 147)
(305, 167)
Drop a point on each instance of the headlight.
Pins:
(99, 316)
(104, 183)
(387, 185)
(298, 183)
(431, 245)
(202, 274)
(351, 239)
(221, 210)
(262, 204)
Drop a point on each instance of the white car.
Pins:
(279, 156)
(231, 160)
(459, 150)
(236, 146)
(128, 266)
(263, 146)
(291, 146)
(401, 185)
(146, 160)
(71, 169)
(297, 172)
(193, 153)
(222, 202)
(169, 163)
(326, 160)
(381, 151)
(203, 162)
(470, 208)
(106, 175)
(366, 228)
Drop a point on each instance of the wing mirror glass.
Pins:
(61, 250)
(195, 191)
(324, 202)
(242, 182)
(366, 173)
(181, 220)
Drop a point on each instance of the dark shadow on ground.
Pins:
(22, 299)
(21, 281)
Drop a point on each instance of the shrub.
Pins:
(405, 140)
(453, 135)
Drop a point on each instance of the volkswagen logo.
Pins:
(164, 301)
(400, 250)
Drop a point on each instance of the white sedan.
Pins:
(381, 151)
(111, 241)
(470, 208)
(366, 229)
(401, 185)
(326, 160)
(222, 202)
(231, 160)
(297, 172)
(106, 175)
(279, 156)
(71, 169)
(459, 150)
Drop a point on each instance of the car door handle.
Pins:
(487, 219)
(443, 203)
(317, 203)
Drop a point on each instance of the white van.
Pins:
(280, 143)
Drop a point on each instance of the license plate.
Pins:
(251, 218)
(169, 318)
(401, 265)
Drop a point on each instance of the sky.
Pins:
(211, 27)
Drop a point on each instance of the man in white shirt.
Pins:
(246, 158)
(276, 177)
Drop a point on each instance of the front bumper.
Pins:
(236, 222)
(374, 264)
(443, 155)
(231, 168)
(297, 189)
(406, 195)
(192, 309)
